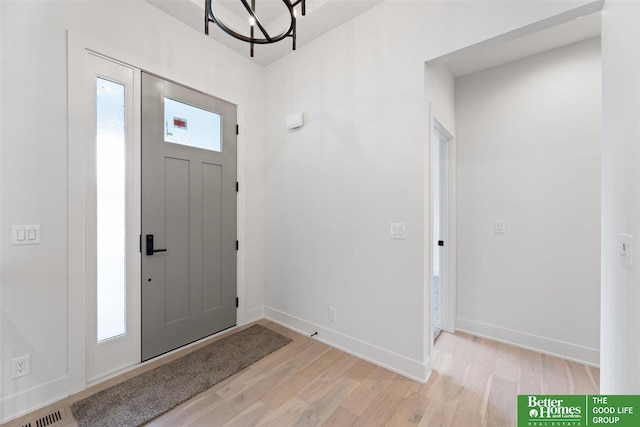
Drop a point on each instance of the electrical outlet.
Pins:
(20, 366)
(332, 314)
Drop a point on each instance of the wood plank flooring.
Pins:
(474, 382)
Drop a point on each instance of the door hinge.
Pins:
(237, 129)
(237, 245)
(440, 242)
(140, 243)
(237, 186)
(237, 302)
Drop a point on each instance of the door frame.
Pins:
(78, 47)
(448, 219)
(101, 354)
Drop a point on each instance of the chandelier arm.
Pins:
(251, 30)
(207, 13)
(293, 34)
(304, 6)
(258, 23)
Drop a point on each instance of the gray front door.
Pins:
(188, 241)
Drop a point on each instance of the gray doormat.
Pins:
(148, 395)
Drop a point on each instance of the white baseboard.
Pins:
(253, 315)
(564, 350)
(19, 404)
(397, 363)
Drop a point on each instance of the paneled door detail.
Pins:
(188, 240)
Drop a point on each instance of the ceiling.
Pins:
(573, 31)
(321, 17)
(324, 15)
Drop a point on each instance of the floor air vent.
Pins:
(49, 419)
(26, 425)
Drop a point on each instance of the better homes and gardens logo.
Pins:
(552, 411)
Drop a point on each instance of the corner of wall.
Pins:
(413, 369)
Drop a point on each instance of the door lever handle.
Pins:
(150, 250)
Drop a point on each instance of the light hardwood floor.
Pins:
(474, 382)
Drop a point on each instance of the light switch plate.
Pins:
(332, 314)
(25, 235)
(398, 230)
(500, 226)
(625, 249)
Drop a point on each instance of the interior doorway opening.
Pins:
(442, 169)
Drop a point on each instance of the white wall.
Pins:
(620, 351)
(33, 281)
(333, 187)
(528, 152)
